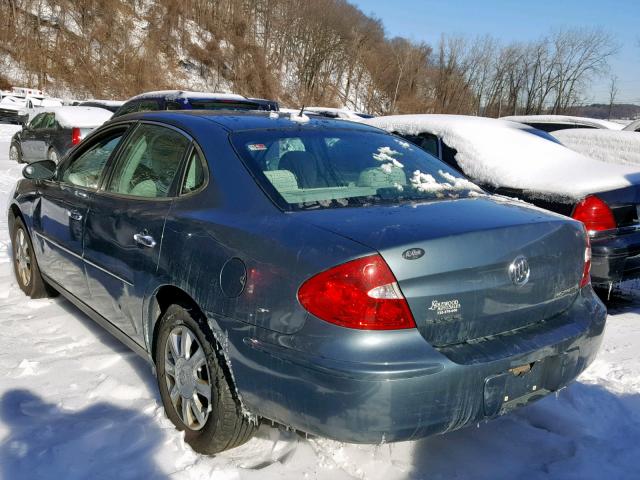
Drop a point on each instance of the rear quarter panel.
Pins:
(233, 219)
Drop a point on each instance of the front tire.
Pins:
(53, 155)
(194, 388)
(25, 264)
(15, 155)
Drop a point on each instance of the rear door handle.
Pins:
(74, 214)
(145, 240)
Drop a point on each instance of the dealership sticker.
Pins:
(255, 147)
(445, 307)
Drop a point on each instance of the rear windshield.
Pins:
(310, 169)
(225, 105)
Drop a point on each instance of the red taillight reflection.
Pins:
(586, 270)
(75, 136)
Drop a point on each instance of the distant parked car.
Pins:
(318, 273)
(633, 126)
(53, 132)
(111, 105)
(552, 123)
(611, 146)
(183, 100)
(20, 105)
(505, 159)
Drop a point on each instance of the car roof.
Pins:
(233, 121)
(176, 94)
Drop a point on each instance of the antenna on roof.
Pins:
(301, 111)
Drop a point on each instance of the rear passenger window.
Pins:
(86, 169)
(194, 177)
(149, 162)
(37, 121)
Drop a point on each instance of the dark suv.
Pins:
(182, 100)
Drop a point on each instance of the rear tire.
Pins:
(194, 387)
(25, 264)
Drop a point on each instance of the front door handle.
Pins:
(74, 215)
(145, 240)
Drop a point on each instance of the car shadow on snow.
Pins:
(46, 442)
(142, 368)
(585, 432)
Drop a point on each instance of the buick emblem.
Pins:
(519, 271)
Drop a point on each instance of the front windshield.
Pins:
(324, 168)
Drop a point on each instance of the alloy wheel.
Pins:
(23, 257)
(14, 155)
(53, 156)
(187, 377)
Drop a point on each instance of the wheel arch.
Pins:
(14, 213)
(166, 295)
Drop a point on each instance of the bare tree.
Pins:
(613, 91)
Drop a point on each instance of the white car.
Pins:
(553, 123)
(19, 105)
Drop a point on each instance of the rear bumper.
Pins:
(615, 258)
(370, 402)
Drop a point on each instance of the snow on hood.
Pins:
(80, 117)
(621, 147)
(569, 120)
(497, 153)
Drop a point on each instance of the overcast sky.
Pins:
(513, 20)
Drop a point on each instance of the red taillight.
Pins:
(595, 214)
(360, 294)
(75, 136)
(586, 270)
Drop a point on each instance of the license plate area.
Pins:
(528, 382)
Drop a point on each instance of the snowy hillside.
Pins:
(76, 404)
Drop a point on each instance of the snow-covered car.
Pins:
(610, 146)
(552, 123)
(19, 110)
(508, 160)
(13, 110)
(111, 105)
(633, 126)
(185, 100)
(54, 131)
(343, 113)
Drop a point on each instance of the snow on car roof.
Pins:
(110, 103)
(633, 126)
(495, 152)
(175, 94)
(338, 112)
(566, 119)
(79, 117)
(622, 147)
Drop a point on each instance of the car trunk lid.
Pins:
(452, 260)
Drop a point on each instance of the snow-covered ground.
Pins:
(76, 404)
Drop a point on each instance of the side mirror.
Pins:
(42, 170)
